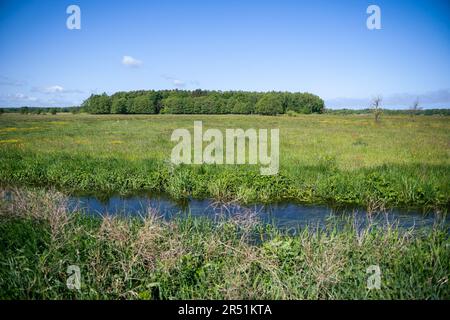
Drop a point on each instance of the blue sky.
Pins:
(323, 47)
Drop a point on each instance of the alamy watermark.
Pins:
(74, 279)
(74, 20)
(236, 141)
(374, 280)
(373, 22)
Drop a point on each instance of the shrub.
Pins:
(291, 113)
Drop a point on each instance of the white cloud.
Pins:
(131, 62)
(55, 89)
(178, 83)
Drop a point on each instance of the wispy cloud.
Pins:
(431, 99)
(7, 81)
(178, 83)
(129, 61)
(55, 89)
(20, 99)
(16, 99)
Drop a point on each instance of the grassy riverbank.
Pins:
(187, 258)
(323, 158)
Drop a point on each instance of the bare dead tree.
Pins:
(414, 110)
(376, 107)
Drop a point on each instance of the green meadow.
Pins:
(334, 159)
(338, 160)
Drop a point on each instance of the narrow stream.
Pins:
(286, 215)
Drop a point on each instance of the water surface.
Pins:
(286, 215)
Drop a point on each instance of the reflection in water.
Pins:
(286, 215)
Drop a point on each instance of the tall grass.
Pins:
(186, 258)
(412, 185)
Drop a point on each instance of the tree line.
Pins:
(41, 110)
(203, 102)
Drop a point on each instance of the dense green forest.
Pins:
(203, 102)
(209, 102)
